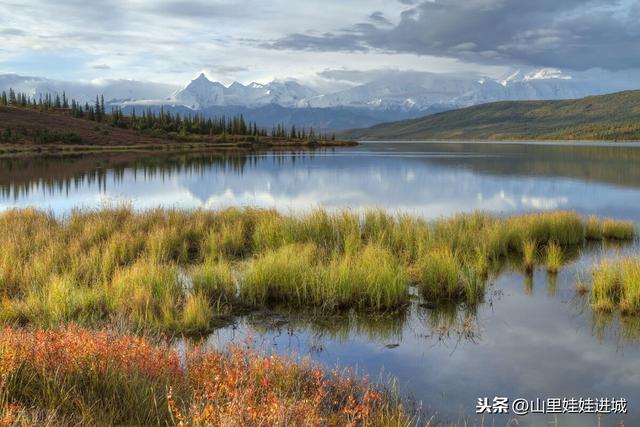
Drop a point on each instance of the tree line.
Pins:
(162, 122)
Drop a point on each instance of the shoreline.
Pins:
(7, 150)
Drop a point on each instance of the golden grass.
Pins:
(147, 267)
(616, 284)
(297, 275)
(617, 230)
(529, 254)
(554, 257)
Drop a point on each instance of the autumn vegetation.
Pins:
(91, 303)
(616, 285)
(73, 376)
(40, 129)
(181, 271)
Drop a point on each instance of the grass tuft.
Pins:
(617, 230)
(554, 257)
(529, 254)
(197, 314)
(143, 266)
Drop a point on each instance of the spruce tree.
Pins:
(97, 113)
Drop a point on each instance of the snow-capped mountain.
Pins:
(112, 90)
(395, 96)
(202, 93)
(416, 91)
(425, 90)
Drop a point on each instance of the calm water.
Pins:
(533, 337)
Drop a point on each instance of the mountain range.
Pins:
(394, 96)
(611, 117)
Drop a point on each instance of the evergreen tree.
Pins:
(97, 113)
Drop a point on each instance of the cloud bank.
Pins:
(574, 34)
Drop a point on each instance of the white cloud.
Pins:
(171, 41)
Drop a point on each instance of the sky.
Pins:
(319, 42)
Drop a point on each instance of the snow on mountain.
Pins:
(420, 91)
(112, 90)
(202, 93)
(546, 74)
(402, 91)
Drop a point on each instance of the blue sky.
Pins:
(257, 40)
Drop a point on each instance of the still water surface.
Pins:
(533, 337)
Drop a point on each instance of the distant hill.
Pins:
(613, 117)
(28, 129)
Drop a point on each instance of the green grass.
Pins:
(439, 275)
(197, 314)
(554, 257)
(215, 281)
(616, 284)
(594, 228)
(612, 117)
(297, 275)
(617, 230)
(529, 254)
(156, 269)
(607, 283)
(285, 275)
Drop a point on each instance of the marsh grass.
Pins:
(617, 230)
(554, 257)
(616, 284)
(593, 229)
(529, 254)
(607, 284)
(214, 279)
(440, 275)
(145, 266)
(197, 314)
(582, 286)
(298, 275)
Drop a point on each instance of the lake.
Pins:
(533, 337)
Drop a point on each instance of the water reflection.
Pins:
(428, 179)
(532, 336)
(537, 340)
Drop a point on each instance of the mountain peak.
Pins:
(546, 74)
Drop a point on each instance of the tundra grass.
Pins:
(73, 376)
(554, 257)
(297, 275)
(157, 269)
(529, 253)
(608, 228)
(616, 284)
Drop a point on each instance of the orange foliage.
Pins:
(248, 389)
(73, 350)
(238, 387)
